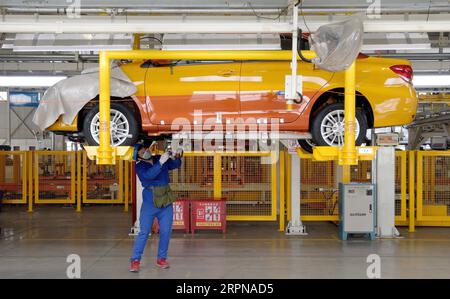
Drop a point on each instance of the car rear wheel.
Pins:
(328, 126)
(124, 127)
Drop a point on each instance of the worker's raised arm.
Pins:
(147, 171)
(174, 163)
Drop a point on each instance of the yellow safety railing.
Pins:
(401, 187)
(13, 176)
(103, 184)
(318, 195)
(319, 183)
(422, 183)
(54, 177)
(433, 188)
(248, 185)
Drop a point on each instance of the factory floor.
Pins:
(36, 245)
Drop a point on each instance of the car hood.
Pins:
(67, 97)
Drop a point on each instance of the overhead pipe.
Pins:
(247, 11)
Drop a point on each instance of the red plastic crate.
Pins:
(208, 214)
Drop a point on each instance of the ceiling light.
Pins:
(72, 42)
(29, 81)
(221, 42)
(431, 81)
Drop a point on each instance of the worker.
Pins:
(153, 172)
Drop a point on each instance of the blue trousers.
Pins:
(147, 215)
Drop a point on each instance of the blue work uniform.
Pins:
(154, 175)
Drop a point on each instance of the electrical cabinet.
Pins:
(357, 209)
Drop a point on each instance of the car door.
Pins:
(262, 89)
(180, 89)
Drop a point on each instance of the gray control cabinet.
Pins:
(357, 209)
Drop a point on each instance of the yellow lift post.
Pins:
(349, 154)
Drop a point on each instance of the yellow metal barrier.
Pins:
(412, 194)
(319, 183)
(318, 195)
(54, 177)
(195, 178)
(30, 158)
(433, 188)
(13, 177)
(248, 185)
(102, 184)
(282, 172)
(401, 181)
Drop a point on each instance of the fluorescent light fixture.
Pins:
(208, 41)
(431, 81)
(71, 42)
(396, 41)
(29, 81)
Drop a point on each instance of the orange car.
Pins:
(251, 92)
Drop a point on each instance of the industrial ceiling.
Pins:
(417, 30)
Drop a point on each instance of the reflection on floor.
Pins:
(36, 245)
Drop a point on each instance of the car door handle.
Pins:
(226, 73)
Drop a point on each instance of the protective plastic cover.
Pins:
(337, 45)
(67, 97)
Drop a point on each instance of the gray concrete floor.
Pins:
(36, 245)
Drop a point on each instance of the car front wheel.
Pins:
(328, 126)
(124, 127)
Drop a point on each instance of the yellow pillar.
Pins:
(288, 186)
(29, 160)
(349, 156)
(403, 178)
(137, 41)
(16, 168)
(127, 186)
(412, 184)
(346, 175)
(282, 191)
(79, 174)
(104, 151)
(217, 175)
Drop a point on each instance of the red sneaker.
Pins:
(162, 263)
(135, 266)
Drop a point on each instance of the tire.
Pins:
(323, 131)
(306, 144)
(125, 132)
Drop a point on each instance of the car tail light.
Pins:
(404, 71)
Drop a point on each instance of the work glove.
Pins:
(179, 153)
(164, 157)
